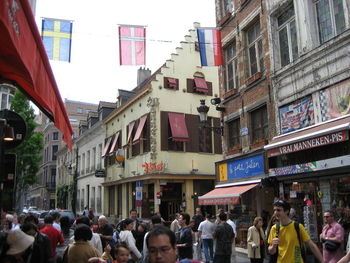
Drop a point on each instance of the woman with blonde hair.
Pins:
(256, 241)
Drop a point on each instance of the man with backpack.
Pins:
(288, 237)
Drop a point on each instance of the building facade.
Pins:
(157, 158)
(310, 159)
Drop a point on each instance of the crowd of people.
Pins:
(188, 239)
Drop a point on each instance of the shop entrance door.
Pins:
(170, 200)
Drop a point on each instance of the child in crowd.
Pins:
(121, 254)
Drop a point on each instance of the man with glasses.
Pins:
(333, 232)
(161, 246)
(285, 241)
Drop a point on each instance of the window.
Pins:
(99, 155)
(171, 83)
(88, 161)
(200, 85)
(55, 136)
(87, 110)
(330, 18)
(224, 7)
(79, 110)
(205, 139)
(83, 164)
(234, 133)
(231, 67)
(287, 34)
(259, 124)
(54, 151)
(93, 158)
(255, 50)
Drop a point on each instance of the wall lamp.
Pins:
(203, 118)
(8, 132)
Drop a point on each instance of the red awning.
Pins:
(23, 60)
(140, 128)
(201, 85)
(105, 149)
(171, 83)
(224, 195)
(114, 143)
(178, 127)
(328, 132)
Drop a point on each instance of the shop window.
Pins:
(330, 18)
(234, 134)
(259, 124)
(231, 67)
(287, 34)
(255, 49)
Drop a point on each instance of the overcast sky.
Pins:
(94, 73)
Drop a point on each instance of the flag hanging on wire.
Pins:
(132, 45)
(209, 40)
(57, 38)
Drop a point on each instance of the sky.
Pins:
(94, 73)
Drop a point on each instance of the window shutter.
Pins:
(164, 133)
(217, 138)
(192, 123)
(190, 84)
(210, 89)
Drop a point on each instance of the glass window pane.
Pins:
(230, 75)
(289, 13)
(3, 101)
(339, 15)
(236, 74)
(284, 49)
(324, 20)
(294, 41)
(252, 60)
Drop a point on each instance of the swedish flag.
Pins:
(57, 37)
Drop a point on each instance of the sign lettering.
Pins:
(153, 167)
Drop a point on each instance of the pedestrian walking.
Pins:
(55, 236)
(156, 221)
(256, 241)
(332, 237)
(127, 237)
(233, 225)
(224, 236)
(56, 220)
(80, 251)
(184, 240)
(105, 230)
(198, 218)
(205, 233)
(175, 226)
(161, 246)
(287, 237)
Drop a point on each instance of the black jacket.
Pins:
(41, 252)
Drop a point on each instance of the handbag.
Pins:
(331, 245)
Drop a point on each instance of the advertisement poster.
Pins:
(297, 115)
(251, 166)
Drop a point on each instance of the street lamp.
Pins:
(203, 118)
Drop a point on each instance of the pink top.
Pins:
(333, 230)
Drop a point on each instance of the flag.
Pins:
(209, 41)
(132, 45)
(57, 38)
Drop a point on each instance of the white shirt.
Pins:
(127, 237)
(207, 229)
(233, 225)
(57, 226)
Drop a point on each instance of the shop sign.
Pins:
(153, 167)
(100, 173)
(310, 143)
(312, 166)
(251, 166)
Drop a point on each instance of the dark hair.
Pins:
(331, 213)
(161, 230)
(48, 219)
(28, 226)
(208, 216)
(83, 220)
(156, 220)
(125, 223)
(55, 215)
(222, 216)
(82, 232)
(120, 245)
(65, 224)
(132, 210)
(186, 217)
(281, 203)
(30, 218)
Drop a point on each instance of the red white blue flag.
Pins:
(209, 40)
(132, 45)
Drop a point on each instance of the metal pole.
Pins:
(75, 184)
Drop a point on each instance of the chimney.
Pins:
(142, 75)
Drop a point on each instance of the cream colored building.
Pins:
(169, 160)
